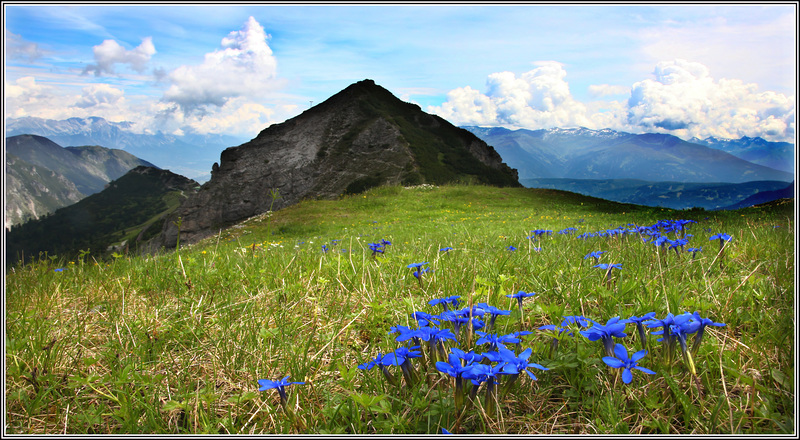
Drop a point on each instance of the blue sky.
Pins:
(689, 70)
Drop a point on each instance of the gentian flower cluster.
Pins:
(438, 350)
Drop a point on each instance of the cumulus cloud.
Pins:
(599, 90)
(538, 98)
(27, 97)
(18, 48)
(682, 99)
(243, 66)
(23, 94)
(110, 53)
(98, 95)
(685, 100)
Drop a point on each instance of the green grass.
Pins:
(175, 343)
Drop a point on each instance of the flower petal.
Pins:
(613, 362)
(627, 376)
(645, 370)
(638, 355)
(621, 352)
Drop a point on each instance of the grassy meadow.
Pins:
(176, 343)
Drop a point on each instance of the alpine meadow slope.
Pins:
(322, 291)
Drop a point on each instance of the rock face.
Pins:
(359, 138)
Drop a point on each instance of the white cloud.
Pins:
(752, 43)
(98, 95)
(17, 48)
(538, 98)
(109, 53)
(243, 67)
(27, 97)
(24, 97)
(599, 90)
(682, 99)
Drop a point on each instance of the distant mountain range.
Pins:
(777, 155)
(673, 195)
(582, 153)
(647, 169)
(190, 155)
(42, 176)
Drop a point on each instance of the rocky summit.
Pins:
(359, 138)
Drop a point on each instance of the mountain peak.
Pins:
(361, 137)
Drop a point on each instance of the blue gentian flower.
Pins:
(494, 311)
(575, 319)
(519, 334)
(445, 249)
(519, 297)
(455, 369)
(378, 360)
(511, 248)
(694, 251)
(444, 302)
(606, 266)
(458, 318)
(401, 329)
(679, 243)
(402, 357)
(596, 255)
(698, 337)
(613, 328)
(622, 361)
(418, 273)
(720, 237)
(425, 319)
(376, 248)
(640, 326)
(564, 328)
(419, 270)
(683, 326)
(280, 385)
(495, 341)
(667, 338)
(513, 364)
(480, 373)
(661, 241)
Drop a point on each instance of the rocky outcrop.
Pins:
(359, 138)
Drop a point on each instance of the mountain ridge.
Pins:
(603, 154)
(43, 176)
(360, 137)
(128, 211)
(673, 195)
(190, 154)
